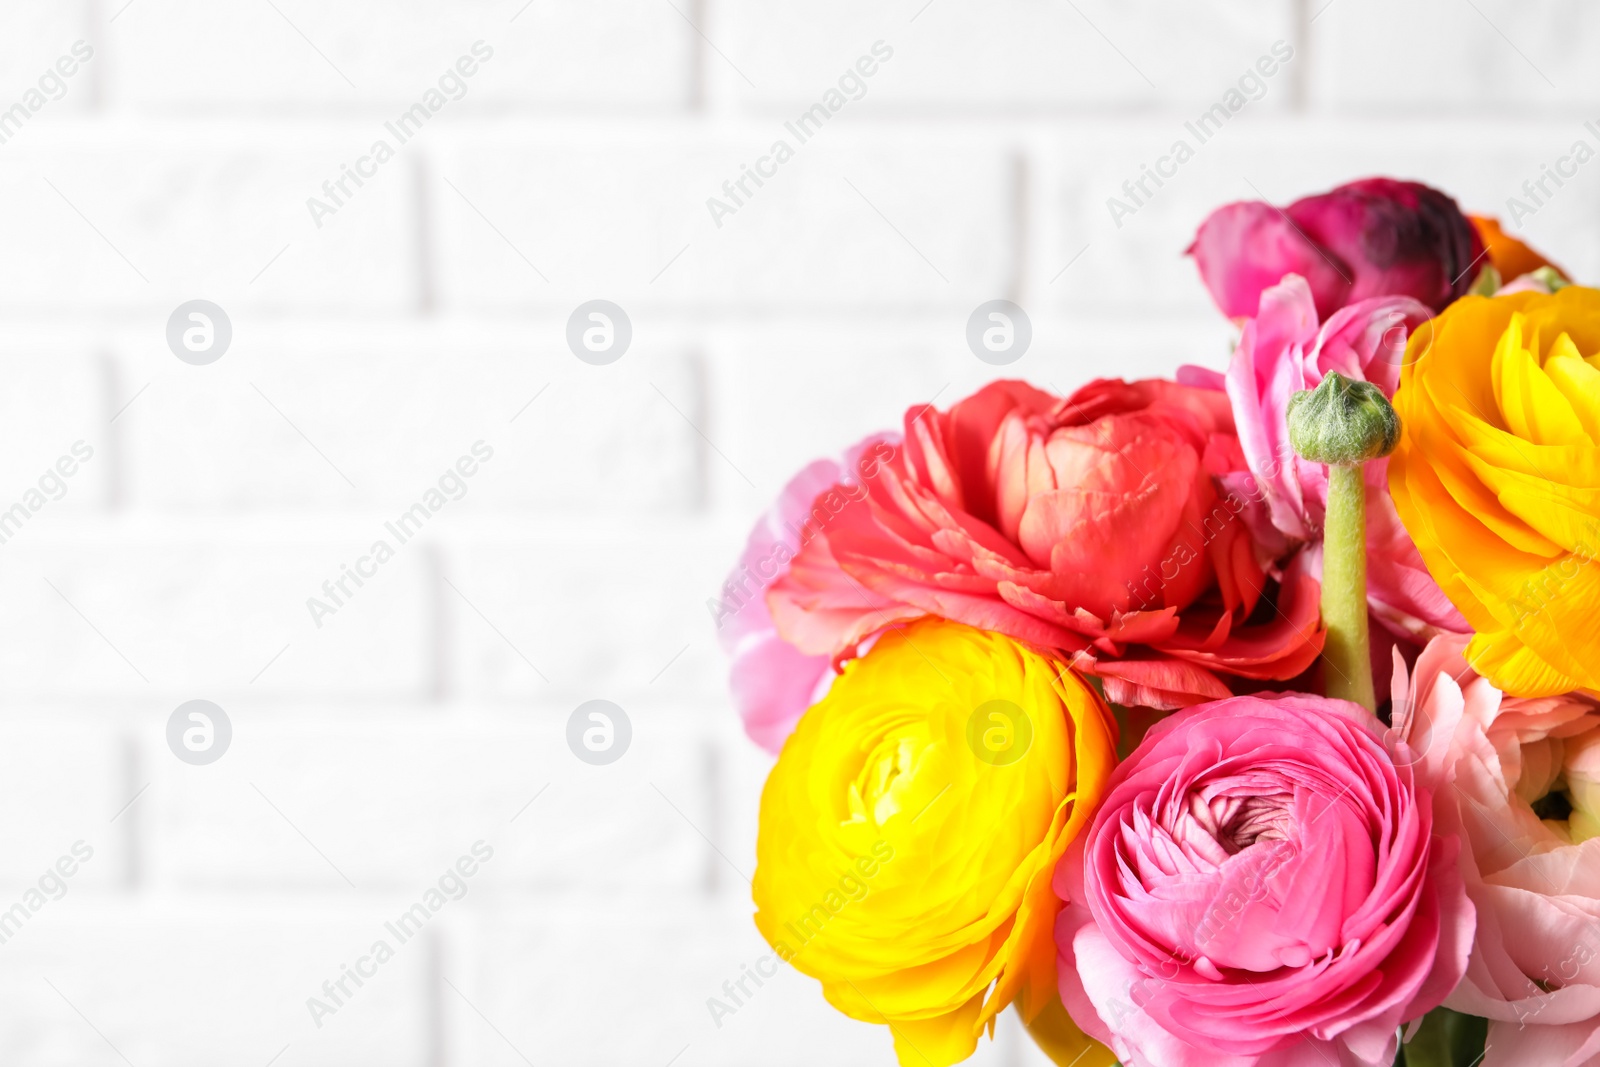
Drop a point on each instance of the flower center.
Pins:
(1254, 819)
(1556, 778)
(878, 791)
(1553, 807)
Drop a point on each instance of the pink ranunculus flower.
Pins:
(773, 682)
(1375, 237)
(1263, 886)
(1523, 797)
(1090, 524)
(1282, 350)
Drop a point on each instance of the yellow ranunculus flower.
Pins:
(1497, 478)
(911, 827)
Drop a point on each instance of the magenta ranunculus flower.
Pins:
(1375, 237)
(1282, 350)
(773, 682)
(1262, 887)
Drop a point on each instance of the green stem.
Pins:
(1346, 655)
(1445, 1039)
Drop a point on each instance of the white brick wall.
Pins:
(429, 313)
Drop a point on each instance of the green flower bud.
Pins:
(1342, 421)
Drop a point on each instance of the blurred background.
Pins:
(395, 345)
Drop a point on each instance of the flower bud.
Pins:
(1342, 421)
(1550, 278)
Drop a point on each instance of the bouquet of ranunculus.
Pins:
(1249, 718)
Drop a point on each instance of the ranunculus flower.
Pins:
(1522, 798)
(772, 681)
(1375, 237)
(1283, 350)
(1497, 478)
(910, 827)
(1261, 886)
(1091, 525)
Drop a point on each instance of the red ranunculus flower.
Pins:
(1092, 524)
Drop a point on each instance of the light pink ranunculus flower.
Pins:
(773, 682)
(1523, 795)
(1263, 886)
(1283, 350)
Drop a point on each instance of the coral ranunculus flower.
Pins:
(1523, 799)
(1497, 478)
(1262, 887)
(1092, 525)
(911, 825)
(1375, 237)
